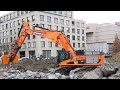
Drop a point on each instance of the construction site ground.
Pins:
(48, 69)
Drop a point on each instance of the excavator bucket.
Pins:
(5, 59)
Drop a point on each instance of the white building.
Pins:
(57, 20)
(100, 37)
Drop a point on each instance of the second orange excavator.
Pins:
(66, 57)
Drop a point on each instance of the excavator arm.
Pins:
(56, 37)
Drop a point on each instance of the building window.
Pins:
(6, 26)
(3, 27)
(34, 44)
(56, 20)
(56, 45)
(28, 36)
(23, 19)
(78, 38)
(60, 12)
(10, 24)
(68, 36)
(49, 27)
(62, 29)
(33, 36)
(82, 31)
(21, 12)
(56, 27)
(73, 30)
(73, 44)
(10, 39)
(29, 44)
(78, 44)
(54, 11)
(10, 32)
(65, 13)
(10, 16)
(17, 13)
(42, 25)
(62, 21)
(49, 44)
(14, 31)
(78, 24)
(67, 22)
(24, 46)
(78, 31)
(33, 18)
(73, 37)
(49, 19)
(7, 17)
(73, 23)
(41, 17)
(68, 30)
(18, 22)
(26, 12)
(83, 45)
(83, 39)
(82, 25)
(42, 43)
(28, 19)
(14, 23)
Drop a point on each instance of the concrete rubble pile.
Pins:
(47, 69)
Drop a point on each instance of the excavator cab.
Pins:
(63, 55)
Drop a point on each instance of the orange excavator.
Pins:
(66, 57)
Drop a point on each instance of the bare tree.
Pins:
(116, 45)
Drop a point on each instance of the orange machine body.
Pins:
(56, 37)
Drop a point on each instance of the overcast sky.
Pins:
(92, 16)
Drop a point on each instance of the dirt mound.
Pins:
(36, 66)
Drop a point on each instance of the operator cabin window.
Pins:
(78, 38)
(29, 44)
(62, 21)
(42, 43)
(73, 44)
(78, 44)
(34, 44)
(73, 30)
(67, 22)
(73, 37)
(33, 18)
(49, 19)
(41, 17)
(78, 31)
(83, 39)
(68, 30)
(49, 44)
(56, 20)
